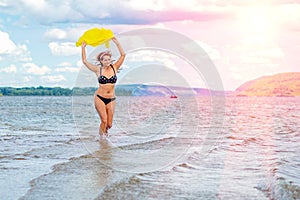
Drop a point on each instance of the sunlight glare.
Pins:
(256, 25)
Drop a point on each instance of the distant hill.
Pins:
(157, 90)
(283, 84)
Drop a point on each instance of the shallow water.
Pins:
(158, 148)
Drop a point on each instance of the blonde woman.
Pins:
(104, 98)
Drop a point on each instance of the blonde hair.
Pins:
(104, 53)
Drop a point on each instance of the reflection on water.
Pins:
(157, 149)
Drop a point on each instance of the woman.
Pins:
(104, 97)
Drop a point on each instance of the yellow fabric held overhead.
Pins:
(95, 37)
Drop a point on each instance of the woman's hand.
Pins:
(83, 45)
(114, 39)
(121, 51)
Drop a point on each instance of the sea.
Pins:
(189, 147)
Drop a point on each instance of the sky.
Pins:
(245, 39)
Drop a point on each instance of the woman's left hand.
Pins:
(114, 39)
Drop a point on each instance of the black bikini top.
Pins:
(103, 79)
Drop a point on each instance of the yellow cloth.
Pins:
(95, 37)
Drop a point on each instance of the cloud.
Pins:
(55, 34)
(166, 58)
(79, 63)
(272, 52)
(69, 33)
(141, 12)
(146, 5)
(247, 62)
(266, 56)
(64, 49)
(289, 16)
(65, 64)
(67, 67)
(11, 69)
(22, 54)
(7, 46)
(53, 79)
(213, 53)
(112, 12)
(49, 11)
(32, 68)
(219, 26)
(27, 79)
(3, 3)
(150, 57)
(10, 51)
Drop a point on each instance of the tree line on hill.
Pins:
(55, 91)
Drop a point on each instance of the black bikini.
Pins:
(106, 100)
(104, 80)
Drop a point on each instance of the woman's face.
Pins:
(106, 61)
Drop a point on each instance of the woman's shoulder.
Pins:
(113, 66)
(98, 71)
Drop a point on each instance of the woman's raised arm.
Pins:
(90, 66)
(122, 53)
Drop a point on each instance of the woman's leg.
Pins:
(101, 109)
(110, 110)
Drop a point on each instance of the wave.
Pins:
(279, 188)
(91, 169)
(78, 178)
(148, 145)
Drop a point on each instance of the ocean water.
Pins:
(158, 148)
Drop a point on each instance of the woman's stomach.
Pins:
(106, 90)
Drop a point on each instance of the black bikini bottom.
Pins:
(106, 100)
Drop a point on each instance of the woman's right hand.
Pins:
(83, 45)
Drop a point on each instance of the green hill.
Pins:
(283, 84)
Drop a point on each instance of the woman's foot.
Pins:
(103, 133)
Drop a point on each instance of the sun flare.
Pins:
(256, 25)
